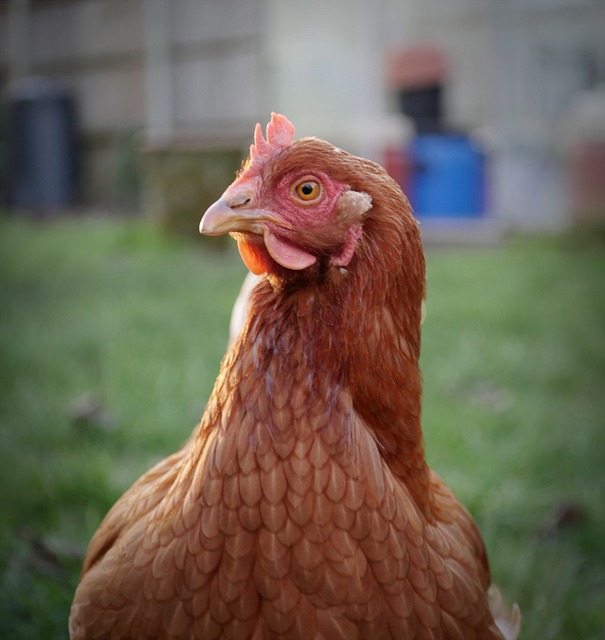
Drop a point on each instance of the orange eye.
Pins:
(307, 190)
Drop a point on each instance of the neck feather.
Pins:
(354, 334)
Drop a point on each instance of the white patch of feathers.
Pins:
(507, 620)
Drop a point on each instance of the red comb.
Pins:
(280, 133)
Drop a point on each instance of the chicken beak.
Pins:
(225, 216)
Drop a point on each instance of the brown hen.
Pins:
(302, 506)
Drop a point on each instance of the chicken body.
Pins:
(302, 505)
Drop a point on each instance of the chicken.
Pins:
(302, 505)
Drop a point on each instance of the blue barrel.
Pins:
(447, 176)
(41, 146)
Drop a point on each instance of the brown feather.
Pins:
(302, 505)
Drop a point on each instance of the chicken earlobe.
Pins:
(356, 204)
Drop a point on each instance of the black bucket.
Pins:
(42, 146)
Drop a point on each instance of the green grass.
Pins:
(514, 368)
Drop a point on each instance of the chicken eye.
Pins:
(307, 190)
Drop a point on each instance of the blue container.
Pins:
(448, 177)
(42, 146)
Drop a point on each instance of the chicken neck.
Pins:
(315, 358)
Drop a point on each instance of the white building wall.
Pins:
(325, 65)
(516, 67)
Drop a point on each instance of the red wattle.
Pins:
(252, 257)
(287, 254)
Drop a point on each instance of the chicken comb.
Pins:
(280, 133)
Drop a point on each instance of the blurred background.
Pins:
(490, 113)
(122, 120)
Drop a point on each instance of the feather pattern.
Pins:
(302, 505)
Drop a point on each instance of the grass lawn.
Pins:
(110, 339)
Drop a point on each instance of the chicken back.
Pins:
(302, 506)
